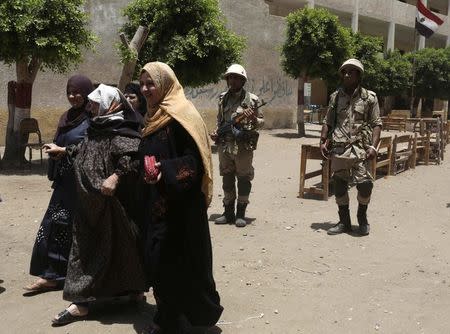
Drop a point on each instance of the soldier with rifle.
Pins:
(236, 136)
(350, 136)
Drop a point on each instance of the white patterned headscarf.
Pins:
(105, 96)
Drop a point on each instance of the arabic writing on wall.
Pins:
(268, 89)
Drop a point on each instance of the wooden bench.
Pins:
(402, 149)
(394, 123)
(310, 152)
(384, 156)
(402, 113)
(421, 149)
(434, 127)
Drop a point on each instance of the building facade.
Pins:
(262, 23)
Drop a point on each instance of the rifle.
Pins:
(230, 126)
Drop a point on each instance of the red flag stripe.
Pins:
(428, 13)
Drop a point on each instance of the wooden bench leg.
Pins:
(303, 158)
(325, 178)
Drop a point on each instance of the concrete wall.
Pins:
(250, 18)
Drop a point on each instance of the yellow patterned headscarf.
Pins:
(174, 105)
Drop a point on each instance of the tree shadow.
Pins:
(448, 205)
(2, 289)
(35, 168)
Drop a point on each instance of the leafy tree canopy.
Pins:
(189, 35)
(432, 73)
(51, 31)
(316, 44)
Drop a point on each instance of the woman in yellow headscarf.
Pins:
(178, 255)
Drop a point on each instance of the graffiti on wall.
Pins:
(268, 88)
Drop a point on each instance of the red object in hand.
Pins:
(151, 171)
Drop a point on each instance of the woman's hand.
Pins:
(213, 135)
(109, 185)
(154, 181)
(54, 151)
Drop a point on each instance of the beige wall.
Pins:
(250, 18)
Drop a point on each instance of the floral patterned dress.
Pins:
(104, 259)
(54, 237)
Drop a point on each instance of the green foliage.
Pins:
(51, 30)
(316, 44)
(189, 35)
(397, 73)
(432, 73)
(386, 75)
(368, 49)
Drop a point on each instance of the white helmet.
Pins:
(352, 62)
(236, 69)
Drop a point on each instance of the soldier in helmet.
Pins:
(235, 147)
(350, 137)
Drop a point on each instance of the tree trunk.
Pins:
(135, 46)
(387, 107)
(19, 104)
(301, 106)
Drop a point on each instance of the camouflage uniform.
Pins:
(236, 149)
(350, 121)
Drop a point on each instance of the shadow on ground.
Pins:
(214, 216)
(292, 135)
(35, 168)
(327, 225)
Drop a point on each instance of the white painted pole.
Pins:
(447, 43)
(355, 16)
(391, 37)
(422, 38)
(310, 3)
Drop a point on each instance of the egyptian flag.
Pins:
(426, 22)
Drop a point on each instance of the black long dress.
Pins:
(54, 238)
(104, 259)
(178, 255)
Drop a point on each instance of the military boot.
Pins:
(240, 215)
(344, 224)
(364, 227)
(228, 216)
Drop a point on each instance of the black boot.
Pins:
(364, 227)
(344, 224)
(228, 216)
(240, 215)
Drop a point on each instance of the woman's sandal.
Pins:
(65, 317)
(38, 287)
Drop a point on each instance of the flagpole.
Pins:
(413, 73)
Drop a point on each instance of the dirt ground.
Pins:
(282, 273)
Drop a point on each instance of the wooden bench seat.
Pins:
(402, 149)
(310, 152)
(384, 156)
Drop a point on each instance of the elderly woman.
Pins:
(178, 255)
(104, 260)
(54, 238)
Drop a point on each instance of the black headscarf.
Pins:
(75, 116)
(134, 88)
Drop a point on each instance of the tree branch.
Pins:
(135, 45)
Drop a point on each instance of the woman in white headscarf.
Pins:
(178, 255)
(104, 260)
